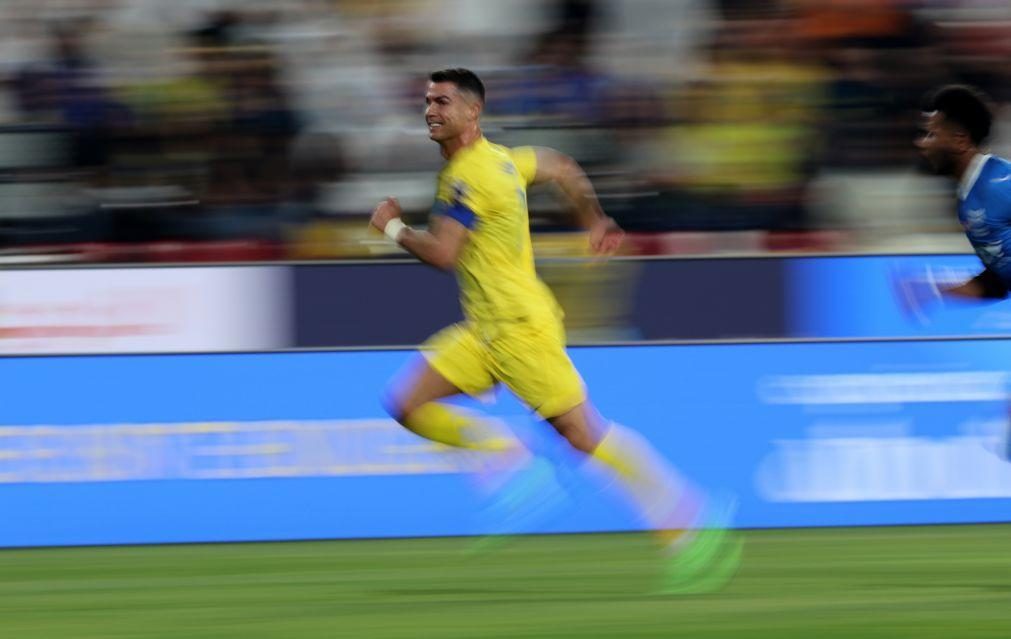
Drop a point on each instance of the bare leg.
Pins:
(655, 489)
(701, 556)
(414, 405)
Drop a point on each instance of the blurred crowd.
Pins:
(249, 129)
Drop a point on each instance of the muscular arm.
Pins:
(563, 171)
(439, 246)
(985, 286)
(560, 169)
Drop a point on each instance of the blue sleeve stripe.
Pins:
(460, 213)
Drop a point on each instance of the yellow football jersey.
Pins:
(484, 187)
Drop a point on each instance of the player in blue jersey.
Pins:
(956, 126)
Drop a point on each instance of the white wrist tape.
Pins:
(394, 228)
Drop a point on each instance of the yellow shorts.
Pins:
(530, 359)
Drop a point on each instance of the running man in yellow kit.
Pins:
(513, 332)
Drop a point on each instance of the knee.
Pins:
(579, 437)
(581, 427)
(584, 442)
(395, 407)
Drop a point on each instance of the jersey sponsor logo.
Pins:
(975, 224)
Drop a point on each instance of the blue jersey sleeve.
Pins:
(995, 248)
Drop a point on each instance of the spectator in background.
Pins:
(75, 120)
(68, 90)
(247, 145)
(976, 41)
(262, 123)
(85, 104)
(694, 115)
(737, 154)
(555, 84)
(882, 57)
(881, 62)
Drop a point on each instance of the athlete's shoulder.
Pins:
(454, 183)
(494, 147)
(997, 166)
(524, 161)
(999, 170)
(995, 181)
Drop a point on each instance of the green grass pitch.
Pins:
(950, 582)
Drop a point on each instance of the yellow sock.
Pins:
(653, 486)
(458, 428)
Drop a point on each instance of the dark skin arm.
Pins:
(985, 286)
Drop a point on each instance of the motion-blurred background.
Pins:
(142, 130)
(151, 402)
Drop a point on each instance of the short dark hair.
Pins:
(464, 79)
(966, 107)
